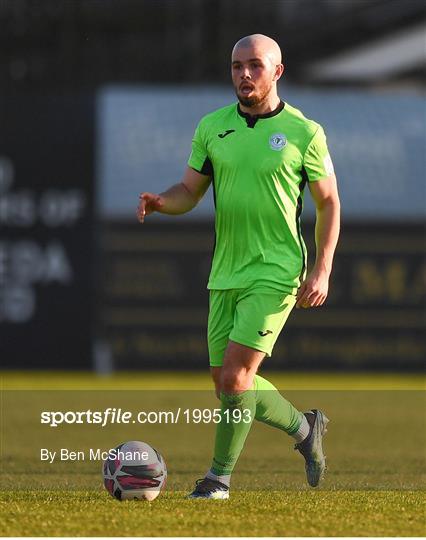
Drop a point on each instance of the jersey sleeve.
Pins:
(317, 161)
(199, 159)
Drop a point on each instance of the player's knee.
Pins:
(234, 380)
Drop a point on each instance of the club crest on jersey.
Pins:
(277, 141)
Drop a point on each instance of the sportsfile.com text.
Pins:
(119, 416)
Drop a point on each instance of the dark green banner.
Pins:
(155, 302)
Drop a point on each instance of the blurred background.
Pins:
(99, 100)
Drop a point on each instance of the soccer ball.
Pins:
(134, 470)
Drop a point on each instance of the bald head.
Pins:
(256, 68)
(260, 44)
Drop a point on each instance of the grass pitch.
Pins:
(375, 448)
(90, 513)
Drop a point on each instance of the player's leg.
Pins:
(250, 318)
(260, 316)
(240, 390)
(238, 401)
(244, 396)
(271, 407)
(222, 304)
(234, 382)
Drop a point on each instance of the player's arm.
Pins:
(178, 199)
(314, 289)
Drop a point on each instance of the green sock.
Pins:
(273, 409)
(238, 411)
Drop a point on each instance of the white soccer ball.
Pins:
(134, 470)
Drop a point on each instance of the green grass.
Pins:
(375, 448)
(91, 513)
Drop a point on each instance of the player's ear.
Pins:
(279, 70)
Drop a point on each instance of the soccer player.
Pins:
(258, 154)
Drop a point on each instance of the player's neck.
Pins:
(269, 105)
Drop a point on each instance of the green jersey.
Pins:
(259, 167)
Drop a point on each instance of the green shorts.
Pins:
(253, 317)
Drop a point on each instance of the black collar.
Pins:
(252, 119)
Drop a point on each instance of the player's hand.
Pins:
(148, 203)
(314, 290)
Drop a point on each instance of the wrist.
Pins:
(322, 267)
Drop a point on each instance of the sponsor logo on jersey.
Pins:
(227, 132)
(264, 333)
(277, 141)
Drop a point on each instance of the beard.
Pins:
(254, 100)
